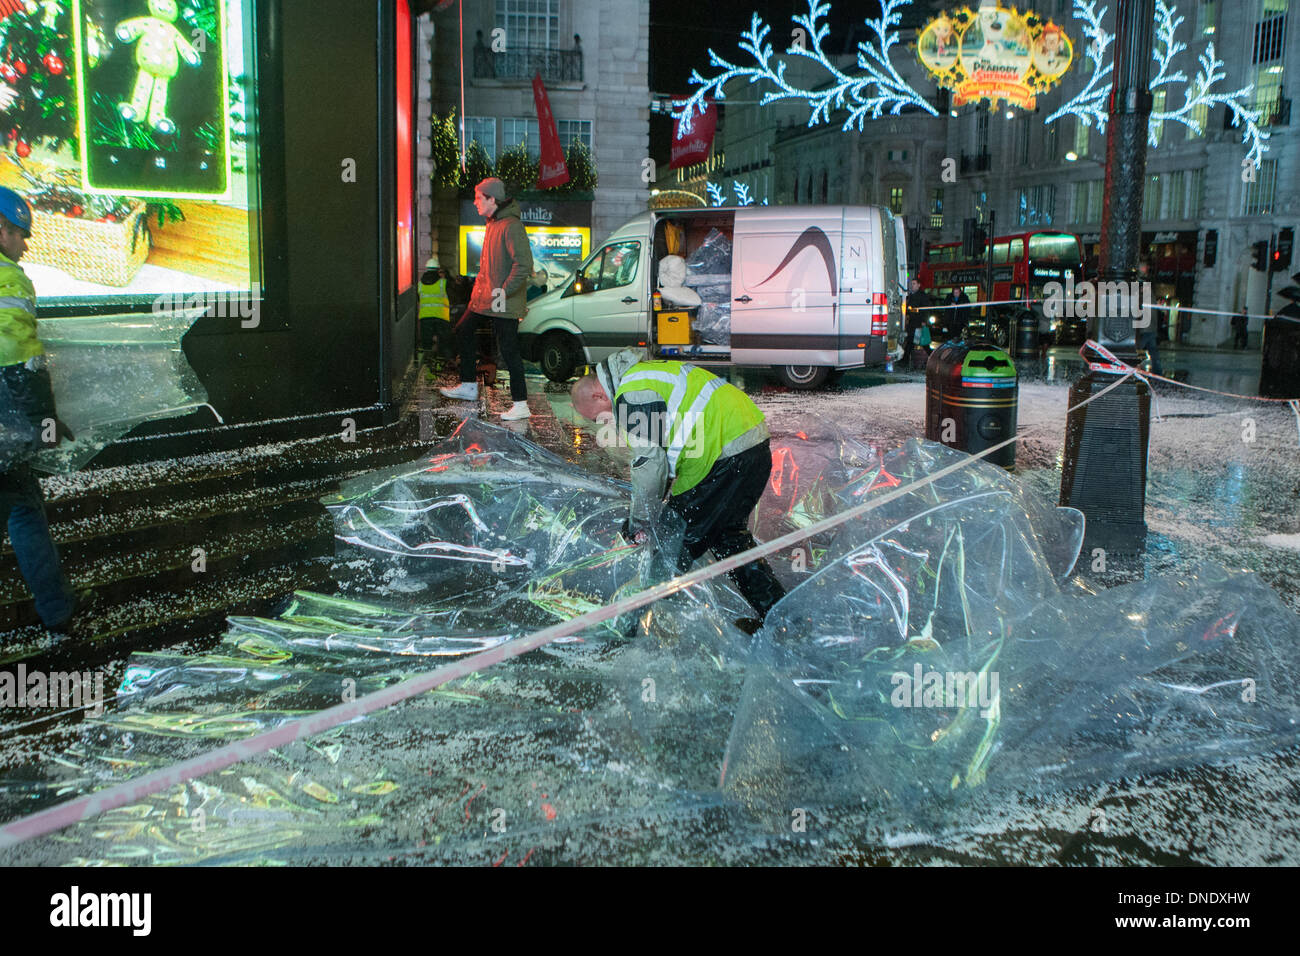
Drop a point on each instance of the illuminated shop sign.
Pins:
(557, 249)
(995, 54)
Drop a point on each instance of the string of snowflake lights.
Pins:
(743, 197)
(1089, 105)
(879, 89)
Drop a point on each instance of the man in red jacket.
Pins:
(499, 294)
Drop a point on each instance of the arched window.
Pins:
(823, 185)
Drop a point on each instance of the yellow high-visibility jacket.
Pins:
(18, 341)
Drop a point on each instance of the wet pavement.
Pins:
(1211, 494)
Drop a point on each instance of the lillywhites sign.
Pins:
(693, 147)
(995, 54)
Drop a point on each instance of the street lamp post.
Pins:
(1104, 472)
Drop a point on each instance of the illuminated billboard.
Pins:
(152, 98)
(129, 131)
(557, 249)
(994, 54)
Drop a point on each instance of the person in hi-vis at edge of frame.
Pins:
(28, 420)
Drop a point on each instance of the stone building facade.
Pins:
(593, 56)
(1200, 220)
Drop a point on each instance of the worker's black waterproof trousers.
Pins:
(716, 513)
(507, 333)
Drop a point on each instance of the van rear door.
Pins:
(895, 267)
(857, 281)
(785, 283)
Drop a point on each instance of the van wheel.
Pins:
(802, 377)
(558, 358)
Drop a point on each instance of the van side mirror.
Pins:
(575, 288)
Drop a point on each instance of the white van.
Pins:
(805, 290)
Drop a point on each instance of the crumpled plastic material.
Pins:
(113, 372)
(713, 323)
(708, 272)
(668, 735)
(713, 287)
(711, 258)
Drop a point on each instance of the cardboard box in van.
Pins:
(804, 290)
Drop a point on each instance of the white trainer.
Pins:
(517, 411)
(465, 392)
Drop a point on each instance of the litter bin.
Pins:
(971, 394)
(1279, 375)
(1026, 336)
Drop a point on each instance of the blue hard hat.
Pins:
(14, 208)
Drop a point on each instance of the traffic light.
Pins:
(1261, 255)
(1282, 254)
(974, 239)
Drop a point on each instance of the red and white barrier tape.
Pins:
(1117, 367)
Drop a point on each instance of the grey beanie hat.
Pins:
(493, 188)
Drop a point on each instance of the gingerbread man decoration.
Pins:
(159, 52)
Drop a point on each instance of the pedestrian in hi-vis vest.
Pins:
(499, 294)
(704, 442)
(435, 309)
(28, 422)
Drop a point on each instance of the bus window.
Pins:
(1017, 250)
(1053, 248)
(999, 253)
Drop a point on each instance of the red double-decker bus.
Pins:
(1023, 263)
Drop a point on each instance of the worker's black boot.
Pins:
(759, 585)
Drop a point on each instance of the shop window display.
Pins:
(127, 126)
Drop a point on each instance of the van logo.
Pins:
(814, 237)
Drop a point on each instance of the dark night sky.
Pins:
(682, 31)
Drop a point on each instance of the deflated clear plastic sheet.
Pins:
(112, 372)
(668, 735)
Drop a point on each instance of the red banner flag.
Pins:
(553, 172)
(694, 146)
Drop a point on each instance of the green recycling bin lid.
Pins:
(988, 368)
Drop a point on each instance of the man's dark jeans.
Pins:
(716, 512)
(507, 333)
(22, 508)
